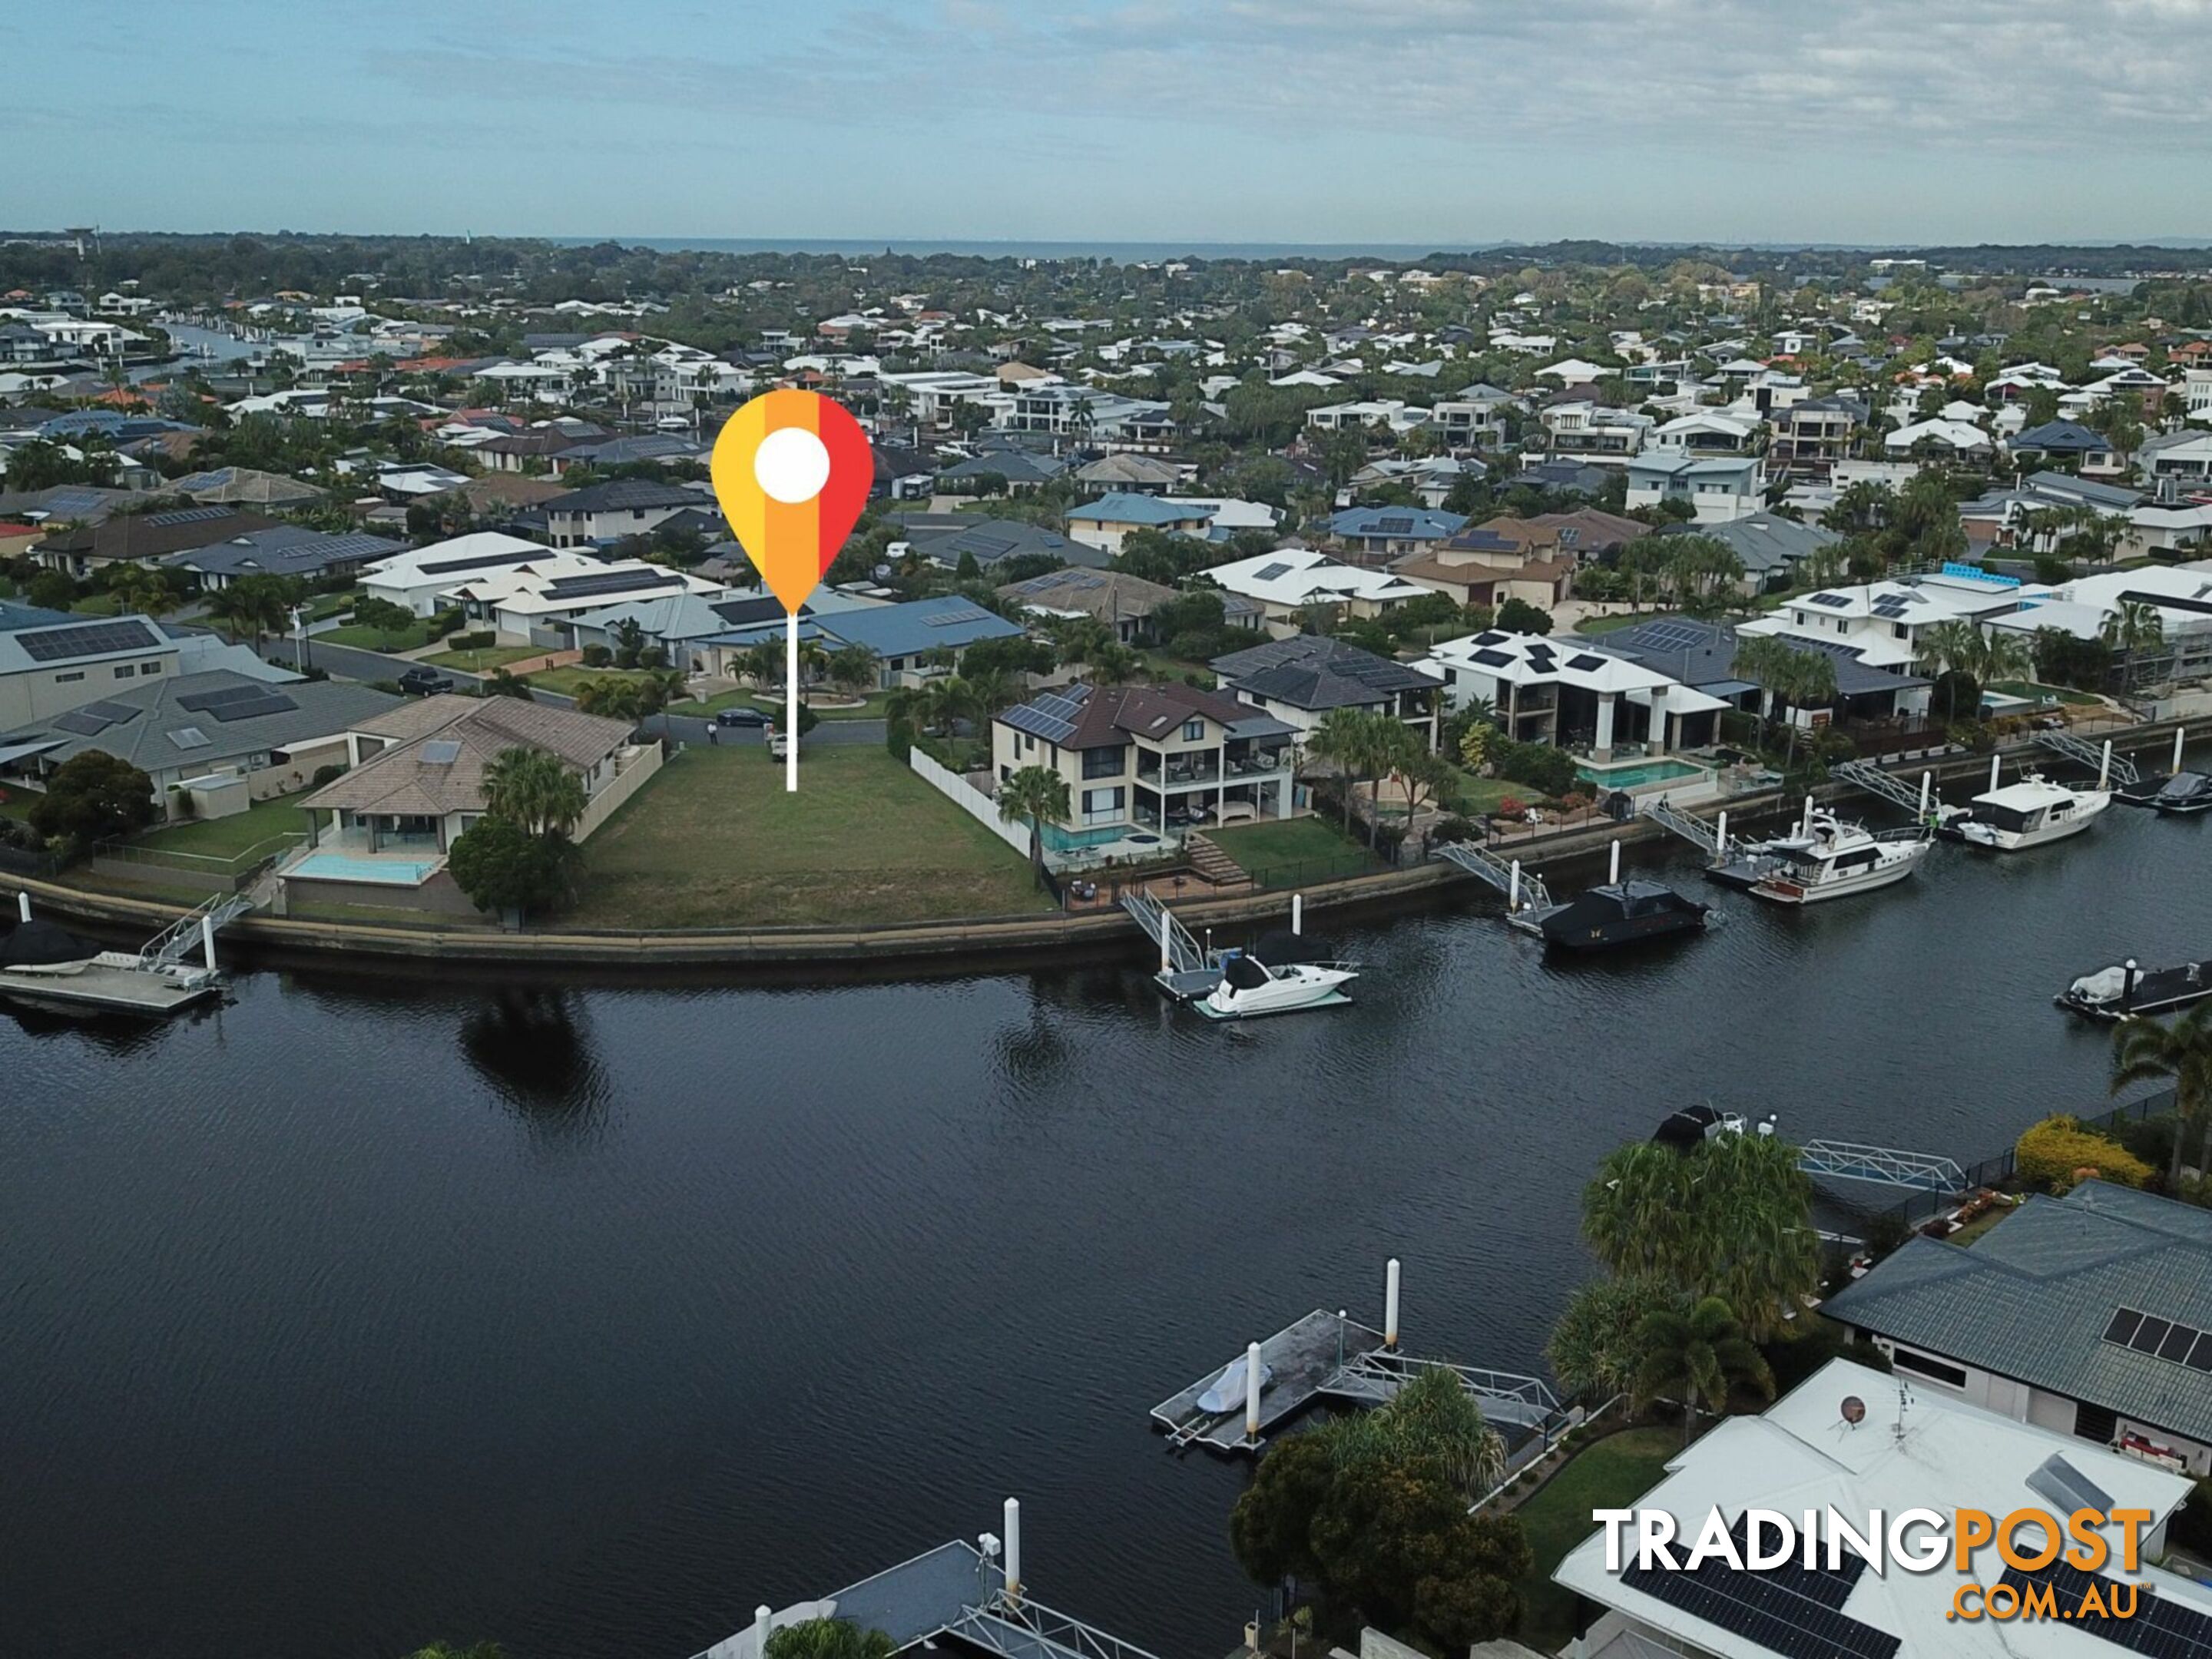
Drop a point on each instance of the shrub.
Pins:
(326, 775)
(596, 656)
(1542, 766)
(94, 796)
(2058, 1152)
(443, 623)
(483, 640)
(1452, 829)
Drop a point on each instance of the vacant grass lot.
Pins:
(483, 661)
(1282, 853)
(715, 841)
(369, 639)
(1611, 1474)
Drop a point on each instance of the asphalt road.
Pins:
(347, 662)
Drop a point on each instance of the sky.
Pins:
(1436, 123)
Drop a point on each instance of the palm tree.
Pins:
(139, 588)
(942, 701)
(1697, 1357)
(828, 1638)
(2133, 631)
(1038, 795)
(762, 664)
(813, 663)
(1344, 740)
(2144, 1051)
(852, 668)
(1432, 1419)
(993, 690)
(1115, 663)
(1947, 644)
(532, 788)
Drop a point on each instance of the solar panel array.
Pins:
(85, 640)
(1393, 526)
(1793, 1610)
(1052, 716)
(1584, 661)
(1670, 636)
(1268, 573)
(252, 709)
(2161, 1628)
(611, 582)
(188, 515)
(2185, 1345)
(482, 562)
(1494, 658)
(1839, 601)
(197, 700)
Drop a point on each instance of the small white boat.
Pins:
(2029, 813)
(1834, 859)
(1249, 988)
(1226, 1392)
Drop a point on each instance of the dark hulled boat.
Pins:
(2184, 791)
(1621, 913)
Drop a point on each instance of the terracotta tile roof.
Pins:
(404, 778)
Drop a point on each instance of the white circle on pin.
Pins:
(792, 465)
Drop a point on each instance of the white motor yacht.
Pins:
(2029, 813)
(1833, 858)
(1249, 986)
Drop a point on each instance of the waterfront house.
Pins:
(1881, 624)
(381, 833)
(1292, 581)
(1302, 679)
(535, 603)
(1570, 693)
(2089, 1315)
(269, 726)
(1151, 758)
(1851, 1442)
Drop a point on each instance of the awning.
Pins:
(16, 751)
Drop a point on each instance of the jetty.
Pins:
(1526, 898)
(158, 980)
(967, 1593)
(1329, 1357)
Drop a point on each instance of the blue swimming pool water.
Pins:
(1630, 777)
(390, 873)
(1067, 840)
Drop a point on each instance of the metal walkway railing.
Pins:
(178, 939)
(1523, 888)
(1690, 827)
(1179, 952)
(2091, 754)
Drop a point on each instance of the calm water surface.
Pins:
(363, 1313)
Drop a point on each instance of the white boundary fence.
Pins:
(970, 800)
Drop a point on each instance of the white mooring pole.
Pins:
(1390, 1304)
(22, 907)
(761, 1615)
(2104, 765)
(1995, 761)
(207, 941)
(1927, 789)
(1167, 933)
(2180, 732)
(1013, 1523)
(1512, 891)
(1297, 913)
(1720, 838)
(1252, 1391)
(1614, 878)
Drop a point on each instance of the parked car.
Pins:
(420, 681)
(744, 714)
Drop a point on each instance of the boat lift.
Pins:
(1332, 1357)
(1885, 1166)
(1526, 898)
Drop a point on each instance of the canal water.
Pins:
(364, 1312)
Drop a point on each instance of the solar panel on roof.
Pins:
(1393, 526)
(1494, 658)
(1669, 636)
(611, 582)
(188, 515)
(197, 700)
(83, 722)
(85, 640)
(1792, 1610)
(2160, 1627)
(274, 703)
(1268, 573)
(1584, 661)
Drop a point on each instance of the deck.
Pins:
(109, 988)
(1326, 1356)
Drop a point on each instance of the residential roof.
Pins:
(1412, 523)
(1110, 596)
(2062, 438)
(1765, 542)
(993, 540)
(1144, 511)
(1083, 716)
(245, 483)
(2035, 1300)
(908, 629)
(284, 550)
(1314, 672)
(149, 535)
(622, 496)
(187, 720)
(1015, 466)
(411, 777)
(1121, 470)
(70, 639)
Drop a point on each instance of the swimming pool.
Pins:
(1069, 841)
(386, 872)
(1637, 775)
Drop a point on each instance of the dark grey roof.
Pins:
(1307, 671)
(2033, 1299)
(622, 494)
(1702, 655)
(1765, 542)
(287, 550)
(993, 540)
(155, 726)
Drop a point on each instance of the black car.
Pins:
(742, 715)
(420, 681)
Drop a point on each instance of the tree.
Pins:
(1731, 1217)
(1593, 1346)
(1519, 617)
(2133, 632)
(1349, 740)
(1474, 745)
(383, 617)
(1115, 663)
(140, 588)
(762, 663)
(628, 636)
(1038, 795)
(1697, 1358)
(501, 867)
(852, 668)
(1013, 653)
(2144, 1051)
(534, 789)
(828, 1638)
(1793, 677)
(94, 796)
(50, 590)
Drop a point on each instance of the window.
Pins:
(125, 671)
(1107, 763)
(1193, 731)
(64, 679)
(149, 667)
(1102, 803)
(1935, 1370)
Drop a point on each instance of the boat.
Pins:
(2125, 991)
(1835, 858)
(1226, 1392)
(1249, 988)
(49, 966)
(1621, 913)
(1693, 1126)
(2029, 813)
(2183, 793)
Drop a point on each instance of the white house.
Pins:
(420, 577)
(1565, 692)
(1289, 582)
(1717, 488)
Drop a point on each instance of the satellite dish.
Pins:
(1854, 1410)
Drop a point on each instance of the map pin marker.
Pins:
(792, 470)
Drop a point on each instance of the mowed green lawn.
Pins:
(1278, 852)
(370, 639)
(224, 838)
(715, 841)
(1610, 1474)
